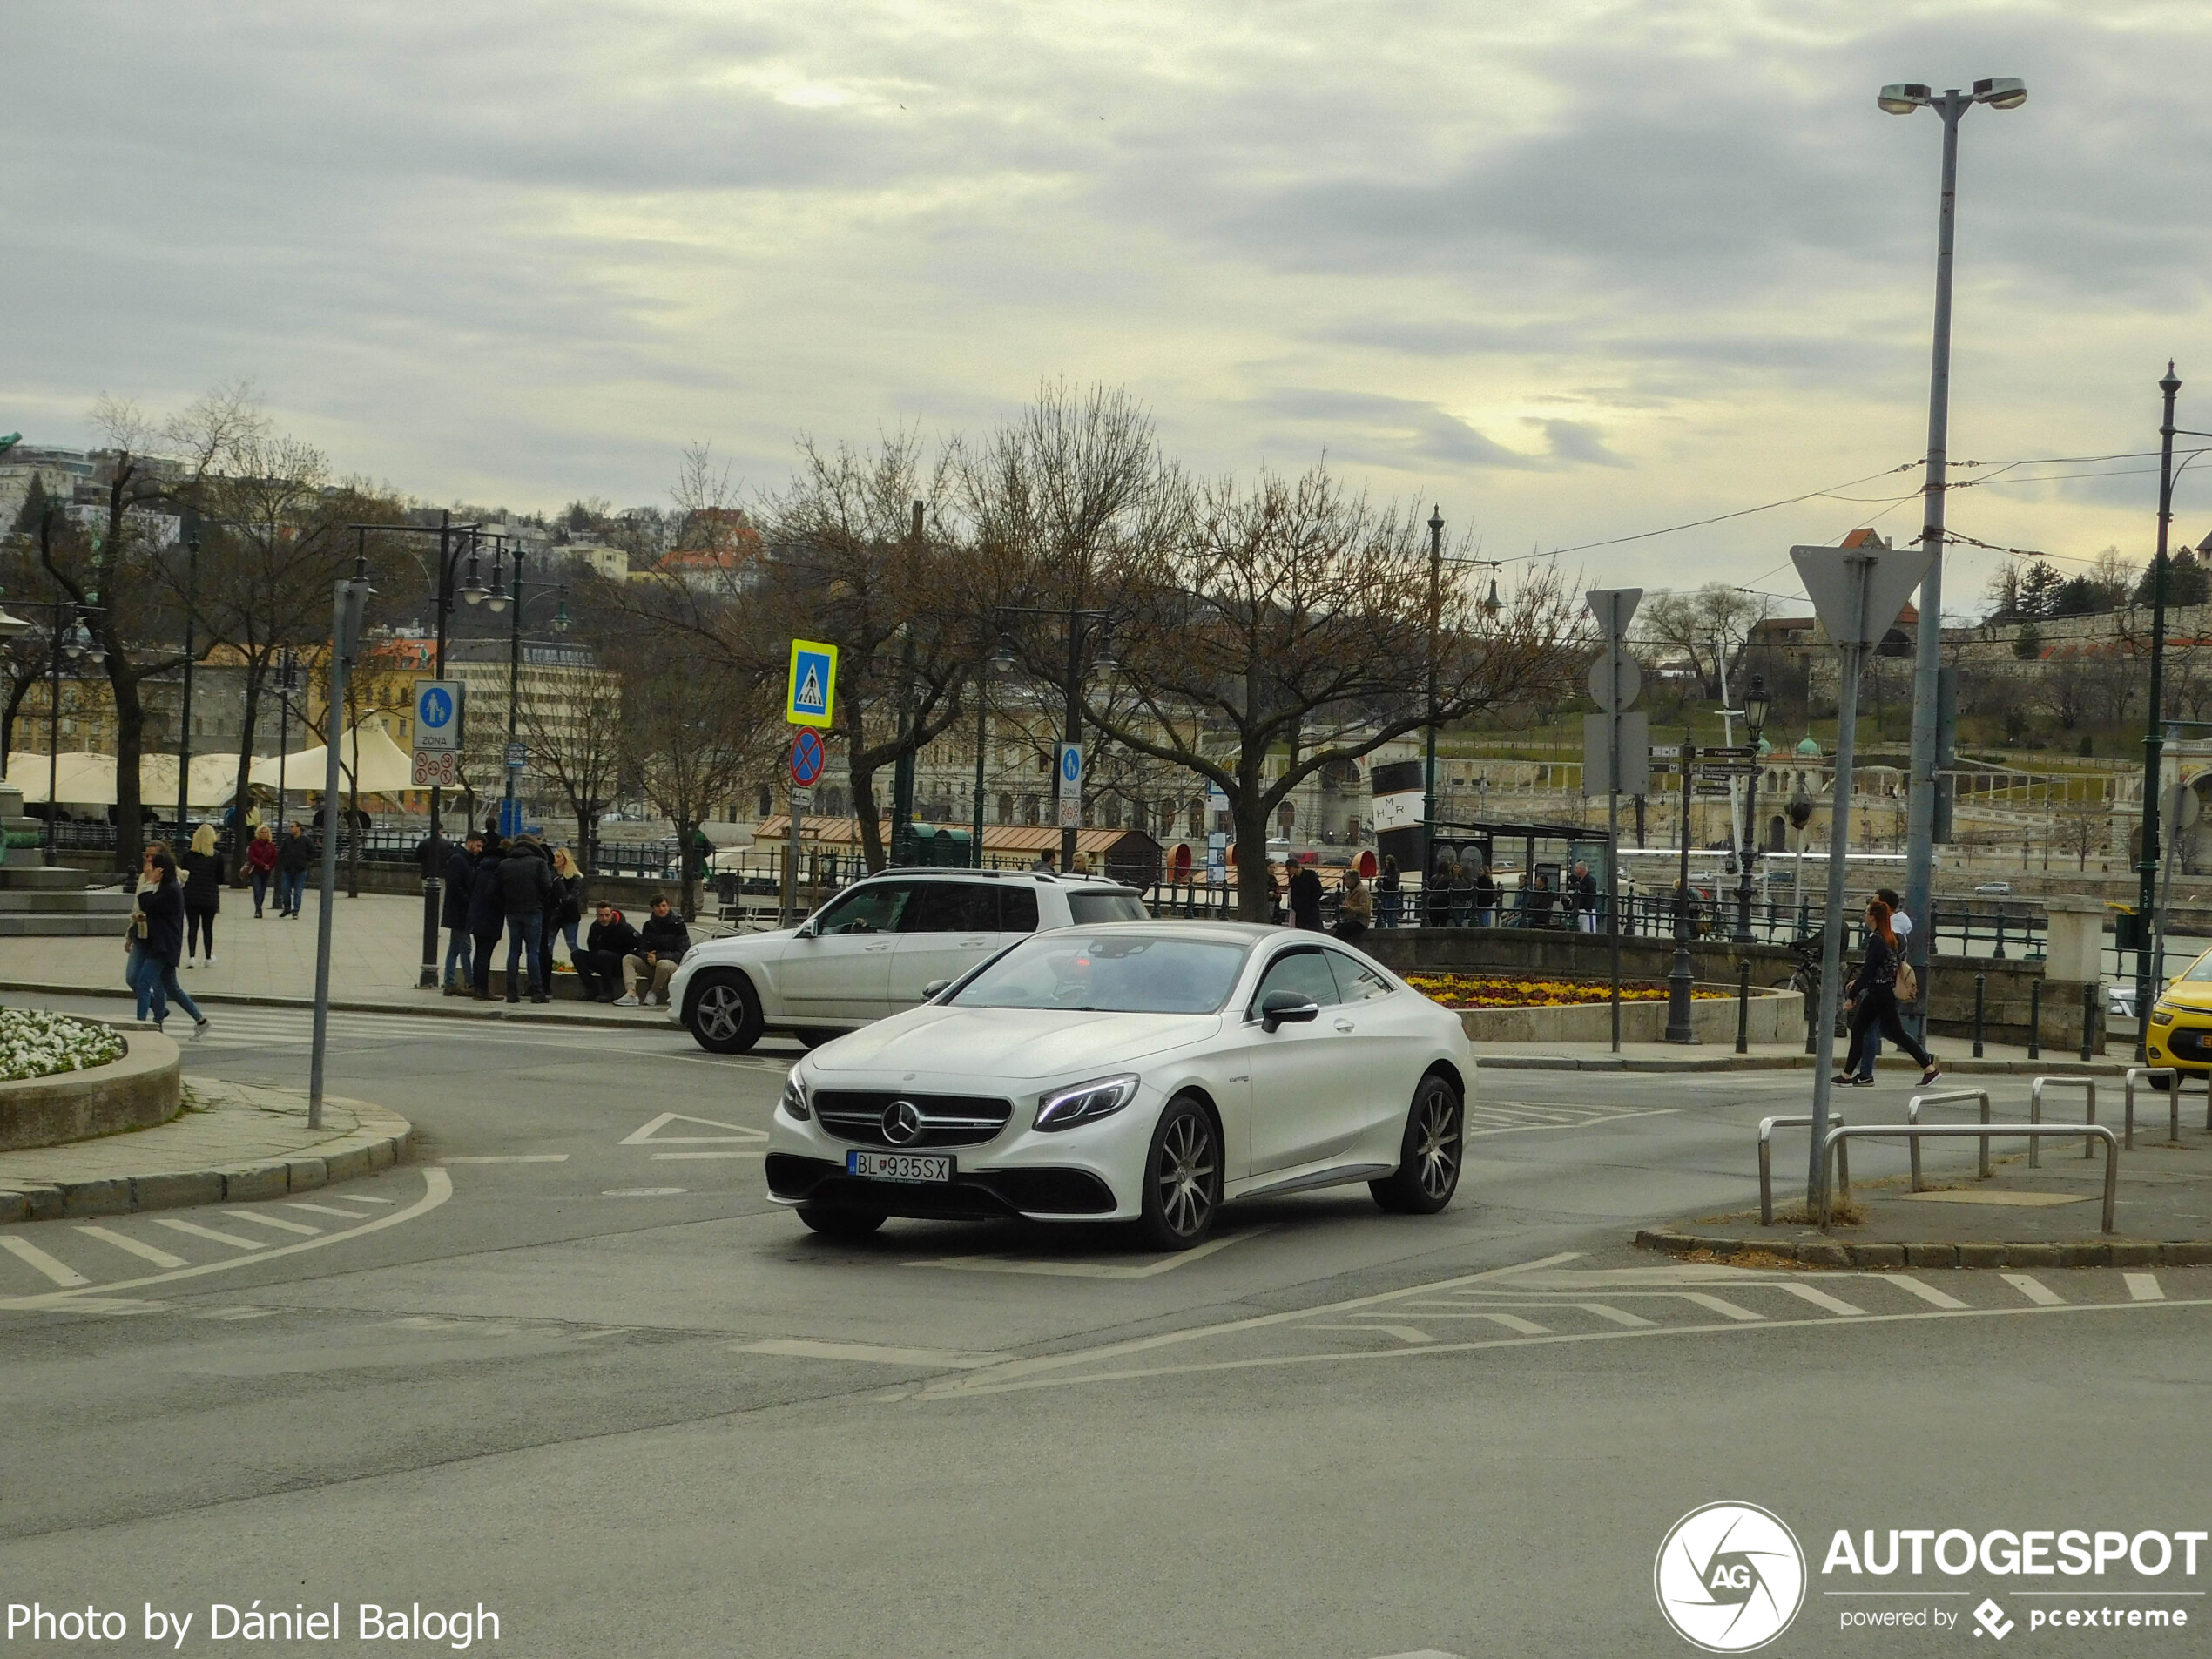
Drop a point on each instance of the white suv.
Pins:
(874, 949)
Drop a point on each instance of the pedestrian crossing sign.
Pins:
(811, 696)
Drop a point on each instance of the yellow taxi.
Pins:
(2181, 1022)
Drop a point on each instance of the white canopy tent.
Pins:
(384, 767)
(214, 778)
(80, 778)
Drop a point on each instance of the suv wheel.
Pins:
(722, 1014)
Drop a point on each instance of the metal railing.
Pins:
(1946, 1097)
(1918, 1132)
(2173, 1101)
(2087, 1085)
(1767, 1126)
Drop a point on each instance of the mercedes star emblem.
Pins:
(902, 1123)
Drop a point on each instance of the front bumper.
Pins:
(2186, 1044)
(1092, 1172)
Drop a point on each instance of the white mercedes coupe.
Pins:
(1145, 1072)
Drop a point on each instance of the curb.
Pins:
(378, 1147)
(249, 999)
(1829, 1252)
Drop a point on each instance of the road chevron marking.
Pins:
(1090, 1270)
(437, 1187)
(649, 1134)
(1002, 1382)
(1587, 1123)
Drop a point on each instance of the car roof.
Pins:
(1234, 933)
(1050, 877)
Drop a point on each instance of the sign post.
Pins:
(1615, 742)
(1070, 787)
(810, 704)
(439, 706)
(1856, 593)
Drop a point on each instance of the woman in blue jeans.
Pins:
(162, 903)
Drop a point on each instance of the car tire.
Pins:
(722, 1014)
(835, 1221)
(815, 1036)
(2162, 1085)
(1430, 1157)
(1183, 1178)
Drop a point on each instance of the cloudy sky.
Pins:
(1574, 271)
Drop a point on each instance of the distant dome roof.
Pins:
(1765, 748)
(1807, 746)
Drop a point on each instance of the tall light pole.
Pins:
(1903, 98)
(1757, 704)
(1428, 761)
(67, 637)
(1081, 624)
(2154, 746)
(184, 720)
(1001, 661)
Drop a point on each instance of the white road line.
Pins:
(870, 1353)
(59, 1272)
(437, 1188)
(1927, 1293)
(2144, 1287)
(2033, 1289)
(1614, 1314)
(232, 1315)
(144, 1252)
(198, 1231)
(362, 1198)
(1820, 1298)
(325, 1209)
(1412, 1333)
(514, 1157)
(1714, 1304)
(277, 1222)
(1094, 1270)
(1588, 1122)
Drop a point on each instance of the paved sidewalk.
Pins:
(232, 1143)
(2021, 1216)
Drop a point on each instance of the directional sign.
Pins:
(806, 758)
(438, 706)
(1855, 612)
(811, 696)
(1071, 769)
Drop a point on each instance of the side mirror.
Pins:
(1286, 1008)
(934, 989)
(805, 931)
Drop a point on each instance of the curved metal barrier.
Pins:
(1946, 1097)
(2035, 1111)
(1767, 1126)
(1917, 1132)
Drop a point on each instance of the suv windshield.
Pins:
(1117, 972)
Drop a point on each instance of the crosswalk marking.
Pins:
(144, 1252)
(326, 1210)
(59, 1272)
(1820, 1298)
(2144, 1287)
(232, 1315)
(1725, 1309)
(277, 1222)
(362, 1198)
(1410, 1334)
(2033, 1289)
(1460, 1311)
(198, 1231)
(1927, 1293)
(1612, 1313)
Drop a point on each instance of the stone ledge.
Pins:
(1833, 1253)
(146, 1087)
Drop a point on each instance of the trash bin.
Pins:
(940, 845)
(2130, 927)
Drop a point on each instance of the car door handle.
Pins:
(875, 948)
(1344, 1025)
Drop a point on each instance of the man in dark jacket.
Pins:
(1305, 899)
(661, 944)
(599, 963)
(525, 887)
(453, 914)
(487, 915)
(295, 856)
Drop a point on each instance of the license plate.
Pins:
(900, 1166)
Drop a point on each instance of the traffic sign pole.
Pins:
(1613, 607)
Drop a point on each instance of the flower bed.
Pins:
(33, 1043)
(1488, 991)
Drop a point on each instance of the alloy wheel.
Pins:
(1436, 1144)
(721, 1011)
(1186, 1174)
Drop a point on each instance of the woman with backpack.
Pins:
(1871, 1000)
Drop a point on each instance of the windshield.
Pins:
(2200, 971)
(1117, 972)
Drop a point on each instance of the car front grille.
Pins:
(2190, 1043)
(857, 1114)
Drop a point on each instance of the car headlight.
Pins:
(1085, 1102)
(2162, 1014)
(794, 1100)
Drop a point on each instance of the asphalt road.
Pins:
(570, 1365)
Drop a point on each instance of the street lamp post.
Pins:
(1001, 661)
(1757, 704)
(287, 677)
(1684, 973)
(2003, 93)
(498, 599)
(184, 720)
(67, 637)
(1081, 624)
(2154, 746)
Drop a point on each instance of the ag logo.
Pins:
(1729, 1577)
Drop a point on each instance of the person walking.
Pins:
(1582, 898)
(599, 963)
(487, 915)
(135, 957)
(162, 904)
(1305, 899)
(661, 944)
(1872, 1000)
(260, 865)
(566, 913)
(525, 891)
(202, 878)
(453, 914)
(1901, 925)
(1355, 905)
(295, 856)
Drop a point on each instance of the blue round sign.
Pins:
(437, 707)
(806, 759)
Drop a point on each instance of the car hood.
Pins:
(740, 947)
(1010, 1042)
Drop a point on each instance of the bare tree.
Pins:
(572, 721)
(689, 751)
(1289, 627)
(1708, 629)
